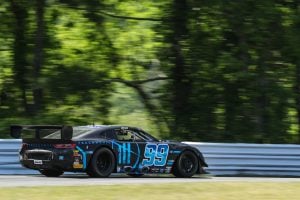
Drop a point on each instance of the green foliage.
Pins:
(183, 69)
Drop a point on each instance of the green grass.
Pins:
(185, 191)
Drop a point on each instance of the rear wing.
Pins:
(66, 132)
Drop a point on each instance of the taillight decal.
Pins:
(24, 145)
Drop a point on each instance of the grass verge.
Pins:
(186, 191)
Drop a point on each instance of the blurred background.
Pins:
(219, 71)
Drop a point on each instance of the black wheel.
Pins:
(186, 165)
(135, 175)
(102, 164)
(51, 173)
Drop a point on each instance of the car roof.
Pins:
(96, 128)
(103, 127)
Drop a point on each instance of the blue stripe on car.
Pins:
(83, 156)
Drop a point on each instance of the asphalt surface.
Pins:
(79, 180)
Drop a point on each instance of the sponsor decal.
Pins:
(175, 151)
(155, 170)
(77, 165)
(168, 169)
(37, 162)
(75, 153)
(78, 162)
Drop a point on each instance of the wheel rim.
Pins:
(188, 164)
(104, 162)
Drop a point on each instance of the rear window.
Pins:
(76, 132)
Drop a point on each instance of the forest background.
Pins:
(219, 71)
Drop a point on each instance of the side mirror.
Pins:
(15, 131)
(67, 132)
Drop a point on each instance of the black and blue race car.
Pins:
(104, 149)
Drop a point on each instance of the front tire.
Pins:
(186, 165)
(51, 173)
(102, 164)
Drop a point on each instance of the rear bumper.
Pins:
(48, 164)
(63, 160)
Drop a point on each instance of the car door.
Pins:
(130, 148)
(153, 153)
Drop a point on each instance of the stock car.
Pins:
(100, 150)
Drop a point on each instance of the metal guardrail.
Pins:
(251, 159)
(223, 159)
(9, 158)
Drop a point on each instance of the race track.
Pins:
(79, 179)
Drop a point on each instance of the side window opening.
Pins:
(128, 135)
(107, 134)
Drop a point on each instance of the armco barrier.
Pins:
(9, 158)
(223, 159)
(251, 159)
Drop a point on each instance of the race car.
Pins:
(100, 150)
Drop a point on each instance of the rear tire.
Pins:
(186, 165)
(51, 173)
(102, 164)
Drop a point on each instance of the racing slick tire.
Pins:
(135, 175)
(102, 164)
(186, 165)
(51, 173)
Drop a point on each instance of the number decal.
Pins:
(155, 154)
(161, 155)
(149, 154)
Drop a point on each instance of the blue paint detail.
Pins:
(61, 157)
(83, 156)
(138, 156)
(120, 156)
(129, 153)
(124, 153)
(175, 152)
(119, 151)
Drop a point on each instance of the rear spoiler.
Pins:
(66, 131)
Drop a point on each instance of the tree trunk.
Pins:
(296, 60)
(38, 54)
(181, 84)
(20, 49)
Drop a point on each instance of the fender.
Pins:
(200, 156)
